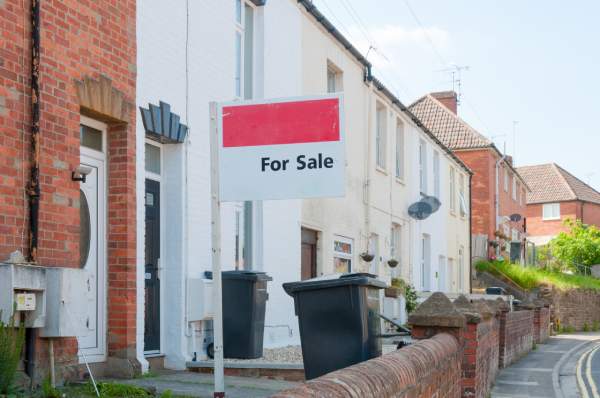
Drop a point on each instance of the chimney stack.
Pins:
(448, 99)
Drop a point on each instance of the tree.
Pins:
(580, 245)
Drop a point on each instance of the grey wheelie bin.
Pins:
(339, 320)
(244, 300)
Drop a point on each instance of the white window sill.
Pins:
(551, 219)
(400, 181)
(382, 171)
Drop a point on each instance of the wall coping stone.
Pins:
(437, 310)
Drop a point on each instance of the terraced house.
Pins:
(498, 192)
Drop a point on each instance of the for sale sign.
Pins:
(281, 149)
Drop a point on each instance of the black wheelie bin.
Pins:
(339, 320)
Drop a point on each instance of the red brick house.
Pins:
(67, 110)
(494, 173)
(557, 195)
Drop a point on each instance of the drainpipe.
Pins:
(470, 234)
(33, 188)
(497, 199)
(367, 183)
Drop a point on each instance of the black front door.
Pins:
(152, 313)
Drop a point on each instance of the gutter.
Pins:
(33, 188)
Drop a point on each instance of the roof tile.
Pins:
(552, 183)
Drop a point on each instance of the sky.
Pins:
(529, 70)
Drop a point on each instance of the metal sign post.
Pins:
(219, 391)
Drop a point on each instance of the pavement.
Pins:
(192, 384)
(551, 370)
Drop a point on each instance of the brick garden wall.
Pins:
(480, 360)
(516, 335)
(541, 324)
(428, 368)
(575, 308)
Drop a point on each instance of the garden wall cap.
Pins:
(437, 310)
(484, 310)
(527, 304)
(464, 305)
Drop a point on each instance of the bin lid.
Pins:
(243, 274)
(335, 280)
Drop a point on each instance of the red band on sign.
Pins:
(281, 123)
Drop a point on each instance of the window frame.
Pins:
(505, 171)
(343, 255)
(552, 217)
(423, 167)
(514, 188)
(452, 193)
(381, 114)
(436, 174)
(338, 76)
(400, 150)
(462, 200)
(239, 77)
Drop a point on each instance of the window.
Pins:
(436, 174)
(514, 188)
(244, 55)
(334, 78)
(380, 135)
(515, 235)
(426, 263)
(399, 149)
(461, 195)
(239, 237)
(395, 241)
(451, 276)
(461, 269)
(523, 196)
(452, 199)
(342, 254)
(551, 211)
(505, 179)
(90, 137)
(152, 158)
(423, 166)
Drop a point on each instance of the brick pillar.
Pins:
(122, 249)
(541, 323)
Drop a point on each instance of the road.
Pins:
(556, 369)
(588, 372)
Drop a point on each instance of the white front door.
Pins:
(92, 343)
(442, 275)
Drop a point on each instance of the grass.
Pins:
(107, 390)
(531, 277)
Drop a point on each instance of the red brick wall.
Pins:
(480, 359)
(79, 39)
(428, 368)
(483, 192)
(589, 213)
(541, 325)
(516, 335)
(576, 308)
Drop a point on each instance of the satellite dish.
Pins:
(420, 210)
(433, 202)
(515, 217)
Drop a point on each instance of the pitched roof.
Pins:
(454, 132)
(552, 183)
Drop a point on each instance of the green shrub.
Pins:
(12, 339)
(409, 293)
(586, 327)
(581, 244)
(595, 326)
(48, 391)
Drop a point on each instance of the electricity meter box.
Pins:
(65, 306)
(23, 287)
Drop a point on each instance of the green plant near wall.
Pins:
(581, 244)
(12, 339)
(409, 293)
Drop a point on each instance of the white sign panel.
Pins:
(281, 149)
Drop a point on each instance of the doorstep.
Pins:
(249, 368)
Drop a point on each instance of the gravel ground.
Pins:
(289, 354)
